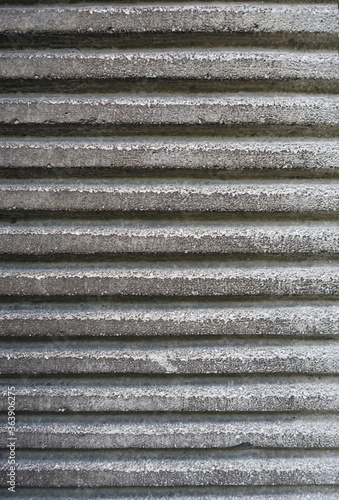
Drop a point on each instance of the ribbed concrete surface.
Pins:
(132, 469)
(273, 157)
(169, 239)
(226, 110)
(235, 65)
(178, 394)
(125, 431)
(202, 239)
(202, 17)
(164, 197)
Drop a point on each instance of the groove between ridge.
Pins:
(300, 492)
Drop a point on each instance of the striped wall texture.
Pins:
(169, 249)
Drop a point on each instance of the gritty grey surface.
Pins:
(172, 358)
(170, 280)
(169, 236)
(280, 431)
(271, 156)
(167, 239)
(194, 64)
(137, 320)
(181, 394)
(227, 110)
(200, 17)
(170, 196)
(172, 472)
(184, 493)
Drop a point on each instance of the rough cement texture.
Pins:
(183, 358)
(167, 18)
(171, 196)
(189, 431)
(169, 235)
(115, 470)
(180, 394)
(170, 280)
(226, 110)
(304, 239)
(223, 65)
(184, 493)
(135, 320)
(271, 156)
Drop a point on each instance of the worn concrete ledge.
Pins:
(223, 18)
(171, 196)
(156, 395)
(300, 492)
(183, 64)
(274, 156)
(117, 320)
(226, 110)
(121, 469)
(278, 431)
(170, 280)
(98, 239)
(172, 358)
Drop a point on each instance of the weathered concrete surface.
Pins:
(122, 469)
(172, 358)
(225, 394)
(218, 431)
(184, 493)
(168, 18)
(168, 280)
(98, 239)
(240, 350)
(306, 157)
(164, 196)
(225, 110)
(194, 64)
(147, 320)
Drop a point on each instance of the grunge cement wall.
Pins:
(169, 243)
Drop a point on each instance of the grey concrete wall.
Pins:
(169, 239)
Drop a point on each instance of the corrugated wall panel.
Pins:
(169, 241)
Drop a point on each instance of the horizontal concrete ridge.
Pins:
(305, 156)
(97, 239)
(226, 395)
(187, 358)
(167, 432)
(169, 280)
(120, 470)
(207, 64)
(171, 196)
(184, 493)
(228, 110)
(251, 18)
(292, 320)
